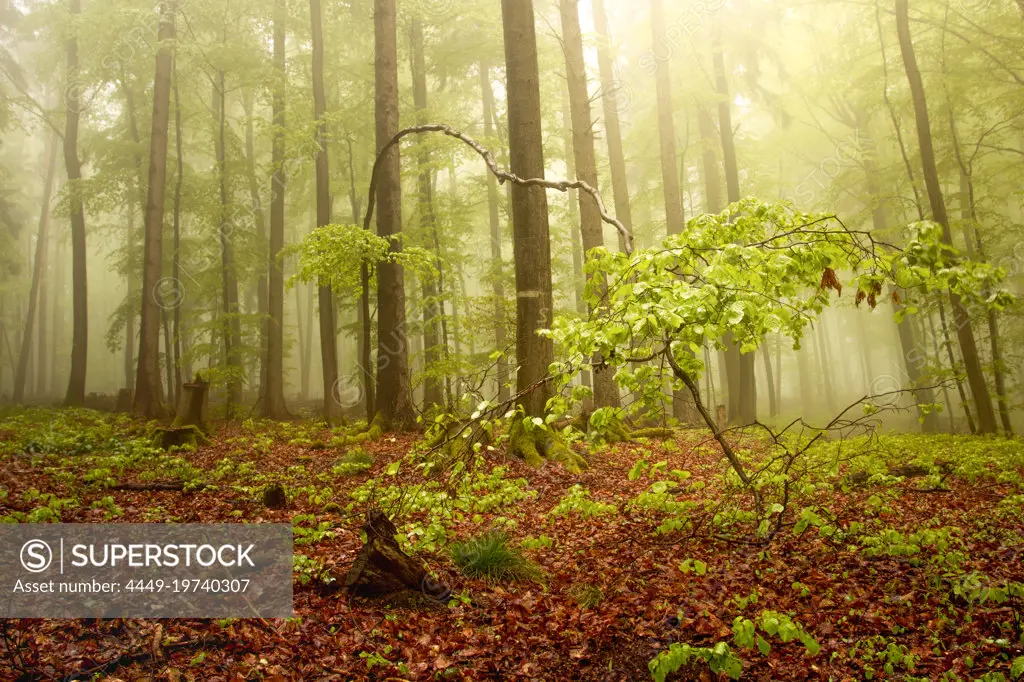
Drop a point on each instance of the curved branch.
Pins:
(502, 175)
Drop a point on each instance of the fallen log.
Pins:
(382, 569)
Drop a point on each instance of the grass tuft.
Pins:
(490, 557)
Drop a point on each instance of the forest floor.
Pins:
(892, 577)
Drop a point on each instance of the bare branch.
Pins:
(502, 175)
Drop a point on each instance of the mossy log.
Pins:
(537, 445)
(382, 569)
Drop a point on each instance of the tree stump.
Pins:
(274, 496)
(125, 398)
(166, 438)
(191, 409)
(381, 568)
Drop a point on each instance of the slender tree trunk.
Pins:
(304, 344)
(394, 396)
(75, 395)
(148, 390)
(612, 128)
(497, 263)
(573, 207)
(57, 335)
(675, 220)
(972, 236)
(964, 331)
(936, 353)
(531, 243)
(773, 405)
(42, 345)
(179, 178)
(745, 400)
(38, 266)
(432, 385)
(328, 327)
(232, 331)
(262, 304)
(131, 299)
(365, 319)
(954, 368)
(908, 343)
(274, 405)
(606, 392)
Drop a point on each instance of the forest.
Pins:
(566, 339)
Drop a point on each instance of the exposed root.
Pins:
(536, 445)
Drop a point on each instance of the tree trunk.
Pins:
(432, 385)
(274, 405)
(39, 264)
(745, 401)
(262, 306)
(57, 328)
(954, 368)
(75, 395)
(131, 296)
(394, 396)
(612, 129)
(365, 321)
(531, 243)
(675, 220)
(179, 177)
(606, 391)
(497, 263)
(148, 391)
(232, 329)
(328, 327)
(908, 343)
(972, 236)
(964, 331)
(773, 404)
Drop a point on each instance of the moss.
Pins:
(536, 445)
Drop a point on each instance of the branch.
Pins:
(502, 175)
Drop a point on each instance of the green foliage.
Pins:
(308, 569)
(577, 501)
(333, 253)
(752, 270)
(490, 557)
(719, 658)
(353, 462)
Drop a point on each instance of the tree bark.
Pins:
(328, 327)
(497, 263)
(606, 391)
(432, 353)
(394, 395)
(262, 305)
(675, 220)
(612, 127)
(274, 405)
(531, 245)
(179, 178)
(365, 321)
(148, 391)
(964, 331)
(39, 264)
(75, 394)
(232, 330)
(744, 402)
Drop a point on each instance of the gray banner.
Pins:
(136, 570)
